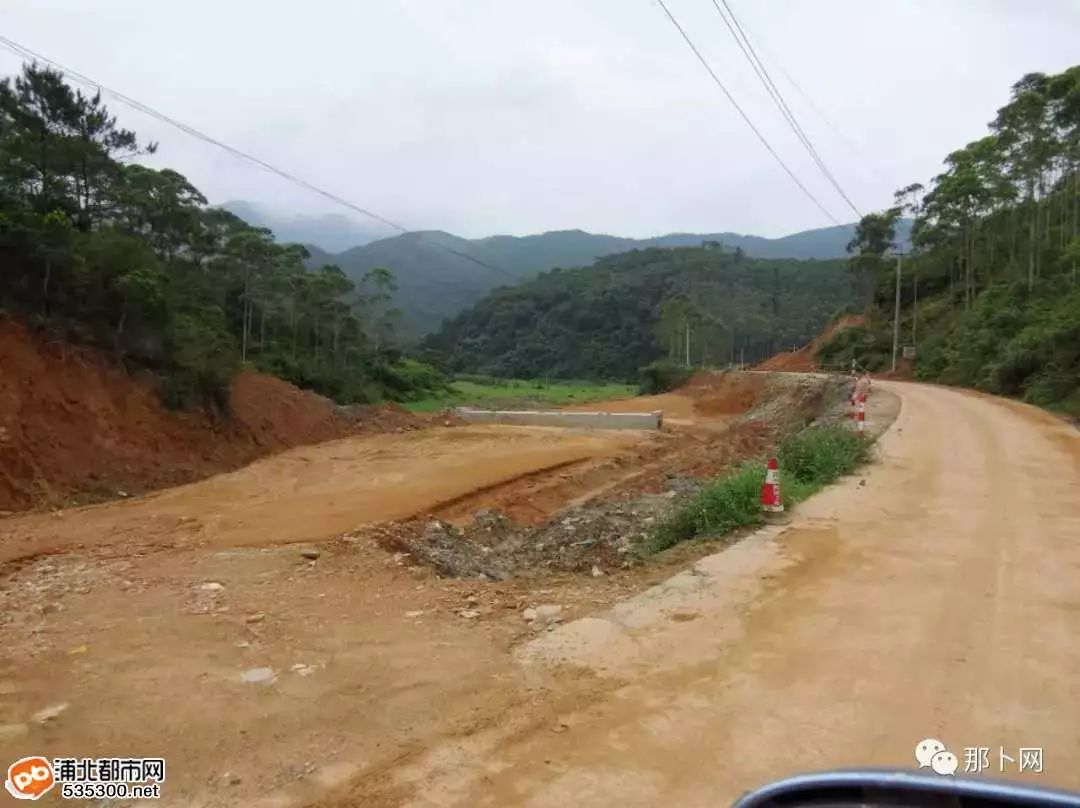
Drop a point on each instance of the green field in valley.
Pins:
(520, 394)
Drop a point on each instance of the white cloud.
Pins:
(483, 116)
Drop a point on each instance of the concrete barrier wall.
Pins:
(593, 420)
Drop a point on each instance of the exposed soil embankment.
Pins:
(75, 426)
(804, 360)
(608, 509)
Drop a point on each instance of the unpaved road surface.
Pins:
(938, 599)
(132, 623)
(314, 492)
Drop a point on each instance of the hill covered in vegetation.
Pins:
(990, 298)
(109, 252)
(693, 305)
(439, 274)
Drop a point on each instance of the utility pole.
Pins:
(915, 308)
(896, 311)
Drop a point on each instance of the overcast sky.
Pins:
(519, 116)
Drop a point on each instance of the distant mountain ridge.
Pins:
(440, 274)
(332, 232)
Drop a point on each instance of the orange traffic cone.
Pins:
(771, 502)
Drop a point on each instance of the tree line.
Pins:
(114, 253)
(990, 295)
(695, 306)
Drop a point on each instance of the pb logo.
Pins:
(29, 778)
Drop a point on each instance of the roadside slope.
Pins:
(75, 426)
(804, 359)
(938, 599)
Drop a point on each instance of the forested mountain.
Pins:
(331, 233)
(111, 252)
(991, 298)
(439, 274)
(821, 243)
(696, 305)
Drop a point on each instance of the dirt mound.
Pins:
(718, 394)
(279, 415)
(75, 426)
(804, 360)
(707, 396)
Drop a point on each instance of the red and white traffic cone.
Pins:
(771, 501)
(860, 416)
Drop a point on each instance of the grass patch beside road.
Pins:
(520, 394)
(809, 461)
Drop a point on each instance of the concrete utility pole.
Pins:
(896, 311)
(915, 309)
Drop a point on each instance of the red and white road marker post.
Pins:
(772, 503)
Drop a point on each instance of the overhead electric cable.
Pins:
(855, 149)
(739, 35)
(743, 114)
(86, 81)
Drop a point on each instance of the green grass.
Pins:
(518, 393)
(809, 461)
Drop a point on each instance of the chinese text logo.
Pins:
(931, 753)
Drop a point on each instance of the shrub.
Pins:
(868, 346)
(409, 380)
(1012, 342)
(808, 461)
(662, 376)
(724, 505)
(817, 456)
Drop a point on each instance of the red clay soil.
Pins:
(76, 427)
(716, 394)
(804, 360)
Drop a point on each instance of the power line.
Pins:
(25, 53)
(794, 120)
(739, 35)
(854, 147)
(744, 116)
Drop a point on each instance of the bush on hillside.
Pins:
(1011, 342)
(410, 380)
(868, 345)
(662, 376)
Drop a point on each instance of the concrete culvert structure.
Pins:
(593, 420)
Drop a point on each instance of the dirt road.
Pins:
(131, 625)
(937, 599)
(314, 492)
